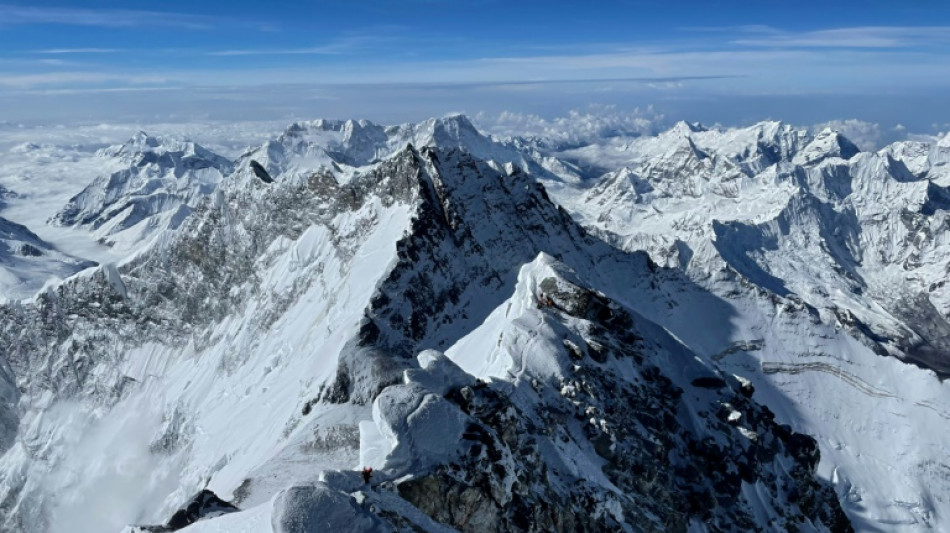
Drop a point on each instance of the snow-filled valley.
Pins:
(701, 329)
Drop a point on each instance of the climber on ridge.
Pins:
(367, 474)
(544, 301)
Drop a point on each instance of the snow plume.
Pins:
(579, 127)
(868, 136)
(97, 496)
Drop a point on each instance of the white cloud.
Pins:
(721, 71)
(339, 46)
(578, 127)
(71, 79)
(852, 37)
(11, 15)
(76, 51)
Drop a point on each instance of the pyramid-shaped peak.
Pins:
(454, 126)
(828, 143)
(138, 143)
(835, 140)
(450, 131)
(456, 119)
(685, 128)
(142, 140)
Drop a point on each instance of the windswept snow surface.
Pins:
(244, 336)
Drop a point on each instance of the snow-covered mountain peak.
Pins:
(914, 154)
(449, 131)
(684, 128)
(327, 133)
(142, 140)
(160, 180)
(828, 143)
(172, 153)
(348, 138)
(746, 150)
(455, 132)
(769, 129)
(306, 146)
(346, 147)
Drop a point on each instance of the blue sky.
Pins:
(725, 61)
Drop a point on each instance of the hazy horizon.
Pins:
(732, 63)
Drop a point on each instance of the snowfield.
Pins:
(698, 330)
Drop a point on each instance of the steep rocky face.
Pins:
(474, 227)
(582, 430)
(475, 493)
(657, 456)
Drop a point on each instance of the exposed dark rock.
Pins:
(205, 504)
(261, 172)
(668, 470)
(30, 251)
(709, 382)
